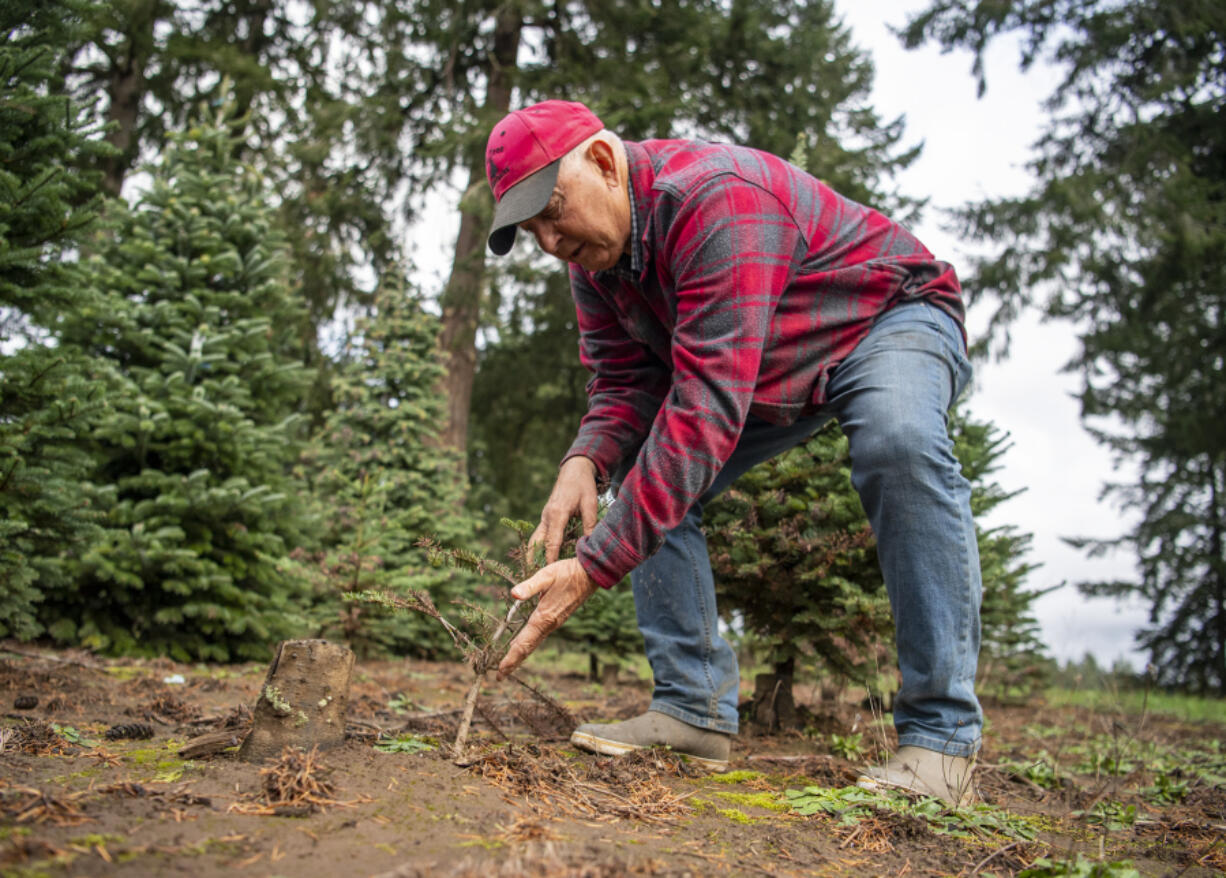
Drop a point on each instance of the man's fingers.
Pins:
(531, 636)
(562, 588)
(553, 541)
(533, 585)
(545, 534)
(516, 653)
(589, 509)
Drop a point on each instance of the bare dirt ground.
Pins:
(93, 782)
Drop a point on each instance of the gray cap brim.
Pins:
(522, 202)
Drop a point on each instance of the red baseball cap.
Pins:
(522, 158)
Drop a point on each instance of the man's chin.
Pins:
(595, 262)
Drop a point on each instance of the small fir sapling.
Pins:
(381, 479)
(490, 635)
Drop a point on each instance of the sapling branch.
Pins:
(481, 663)
(493, 630)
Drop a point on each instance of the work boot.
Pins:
(703, 747)
(926, 772)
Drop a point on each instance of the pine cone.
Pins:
(25, 702)
(136, 731)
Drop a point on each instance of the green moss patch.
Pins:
(731, 777)
(765, 801)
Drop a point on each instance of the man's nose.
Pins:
(548, 240)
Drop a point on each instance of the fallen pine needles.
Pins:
(30, 805)
(296, 785)
(551, 784)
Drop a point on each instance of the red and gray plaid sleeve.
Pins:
(733, 247)
(628, 384)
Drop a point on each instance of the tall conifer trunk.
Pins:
(125, 89)
(1217, 560)
(461, 300)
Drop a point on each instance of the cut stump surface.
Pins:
(303, 700)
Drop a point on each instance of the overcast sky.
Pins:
(975, 148)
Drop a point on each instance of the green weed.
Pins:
(406, 744)
(977, 821)
(1166, 791)
(849, 747)
(1078, 868)
(72, 736)
(848, 804)
(1111, 816)
(1105, 754)
(400, 704)
(851, 804)
(1040, 771)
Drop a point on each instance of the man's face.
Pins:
(587, 219)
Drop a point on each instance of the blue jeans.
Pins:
(891, 397)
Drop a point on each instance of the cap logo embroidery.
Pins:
(494, 172)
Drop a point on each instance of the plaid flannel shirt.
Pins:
(747, 283)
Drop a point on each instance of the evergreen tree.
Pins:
(528, 398)
(605, 628)
(202, 514)
(47, 398)
(1124, 230)
(322, 90)
(795, 565)
(1013, 660)
(386, 482)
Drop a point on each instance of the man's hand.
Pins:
(573, 492)
(563, 587)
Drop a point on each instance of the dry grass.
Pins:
(30, 805)
(551, 784)
(36, 738)
(296, 784)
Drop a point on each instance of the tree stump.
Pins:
(608, 673)
(774, 705)
(303, 700)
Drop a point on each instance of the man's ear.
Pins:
(600, 152)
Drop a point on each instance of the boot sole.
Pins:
(609, 747)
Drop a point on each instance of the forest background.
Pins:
(234, 394)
